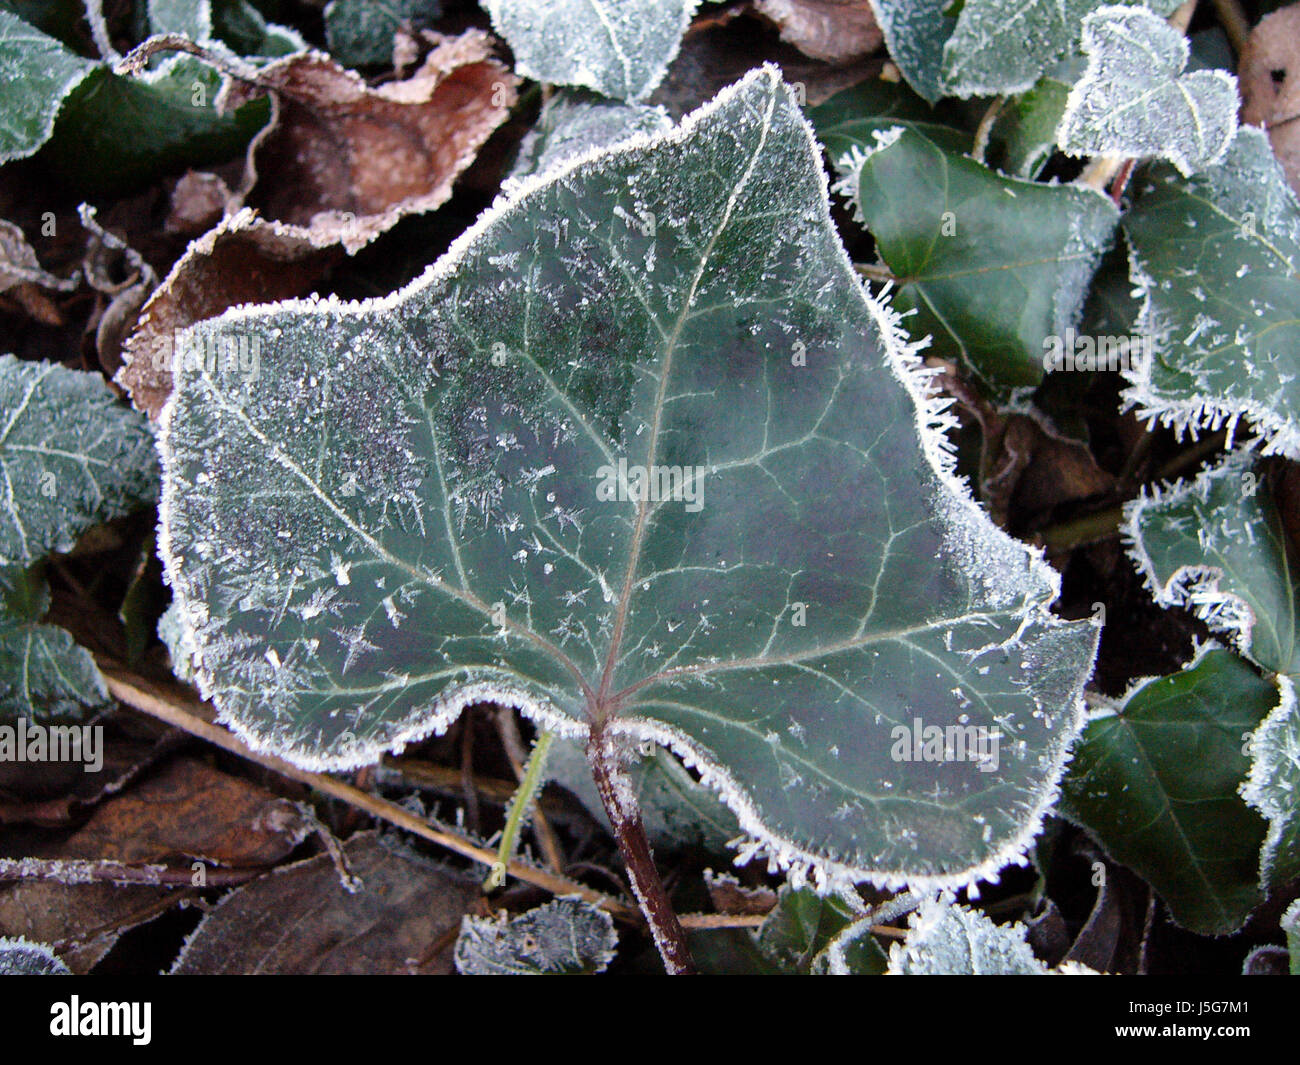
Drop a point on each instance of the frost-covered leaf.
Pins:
(1004, 46)
(193, 18)
(180, 646)
(855, 951)
(43, 673)
(992, 264)
(1273, 787)
(36, 75)
(800, 927)
(566, 937)
(915, 33)
(19, 957)
(236, 23)
(944, 939)
(678, 811)
(418, 505)
(619, 48)
(360, 32)
(1291, 926)
(1156, 780)
(573, 122)
(851, 119)
(1134, 99)
(71, 456)
(1216, 257)
(1216, 545)
(1023, 138)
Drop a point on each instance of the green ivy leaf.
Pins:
(854, 951)
(21, 957)
(360, 32)
(1273, 785)
(1216, 258)
(852, 118)
(1023, 139)
(993, 265)
(620, 49)
(915, 32)
(1291, 926)
(71, 456)
(43, 673)
(1004, 46)
(409, 510)
(1215, 545)
(1134, 99)
(574, 122)
(565, 937)
(953, 940)
(800, 927)
(1156, 780)
(193, 18)
(36, 75)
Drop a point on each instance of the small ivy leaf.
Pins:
(1004, 46)
(952, 940)
(800, 927)
(20, 957)
(1156, 780)
(566, 937)
(852, 952)
(36, 75)
(44, 674)
(1023, 138)
(1134, 99)
(852, 118)
(71, 455)
(620, 49)
(991, 263)
(421, 503)
(1273, 784)
(1215, 257)
(575, 122)
(1291, 926)
(677, 810)
(193, 18)
(915, 33)
(1216, 545)
(361, 32)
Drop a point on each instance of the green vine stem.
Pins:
(522, 802)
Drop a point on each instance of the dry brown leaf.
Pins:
(338, 165)
(836, 31)
(199, 202)
(1269, 75)
(346, 161)
(190, 812)
(245, 259)
(300, 918)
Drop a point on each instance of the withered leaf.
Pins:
(837, 31)
(1269, 77)
(300, 919)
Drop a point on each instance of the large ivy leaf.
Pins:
(1216, 545)
(1135, 100)
(409, 511)
(564, 937)
(915, 33)
(1216, 256)
(36, 75)
(620, 48)
(71, 456)
(43, 673)
(1004, 46)
(1156, 780)
(992, 264)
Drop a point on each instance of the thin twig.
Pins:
(522, 762)
(985, 128)
(1234, 22)
(99, 31)
(133, 692)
